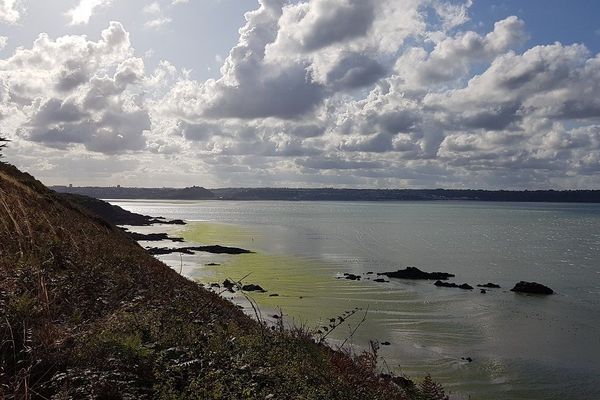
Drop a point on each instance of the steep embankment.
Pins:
(85, 312)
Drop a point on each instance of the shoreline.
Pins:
(103, 318)
(405, 301)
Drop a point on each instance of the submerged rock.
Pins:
(253, 288)
(490, 285)
(352, 277)
(380, 280)
(416, 273)
(483, 291)
(532, 288)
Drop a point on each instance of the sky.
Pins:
(306, 93)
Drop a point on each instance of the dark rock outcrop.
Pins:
(352, 277)
(253, 288)
(115, 214)
(191, 249)
(227, 284)
(464, 286)
(490, 285)
(417, 274)
(531, 288)
(152, 237)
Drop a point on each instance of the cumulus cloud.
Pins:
(323, 23)
(157, 18)
(83, 11)
(251, 87)
(75, 91)
(10, 11)
(331, 92)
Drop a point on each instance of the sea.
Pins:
(493, 345)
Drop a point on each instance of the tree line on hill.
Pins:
(331, 194)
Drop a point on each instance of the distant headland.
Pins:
(331, 194)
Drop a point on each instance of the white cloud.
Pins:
(82, 13)
(3, 42)
(10, 11)
(320, 92)
(156, 14)
(156, 23)
(72, 91)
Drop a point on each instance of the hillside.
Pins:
(85, 312)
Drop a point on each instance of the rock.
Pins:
(464, 286)
(274, 295)
(483, 291)
(227, 284)
(190, 250)
(370, 273)
(253, 288)
(468, 359)
(385, 343)
(215, 285)
(532, 288)
(490, 285)
(153, 237)
(380, 280)
(212, 264)
(416, 273)
(352, 277)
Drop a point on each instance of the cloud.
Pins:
(72, 91)
(84, 10)
(320, 92)
(157, 17)
(10, 11)
(453, 57)
(327, 22)
(250, 86)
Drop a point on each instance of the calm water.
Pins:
(523, 347)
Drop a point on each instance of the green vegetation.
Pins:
(85, 312)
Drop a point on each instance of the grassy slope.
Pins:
(85, 312)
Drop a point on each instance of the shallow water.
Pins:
(523, 347)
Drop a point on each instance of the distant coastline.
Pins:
(330, 194)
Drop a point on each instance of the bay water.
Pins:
(521, 347)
